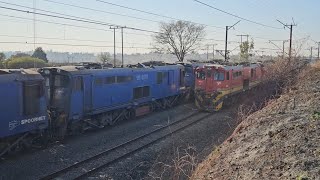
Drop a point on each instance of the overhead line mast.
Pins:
(289, 26)
(226, 57)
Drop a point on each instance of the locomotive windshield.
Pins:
(60, 92)
(61, 81)
(201, 75)
(218, 76)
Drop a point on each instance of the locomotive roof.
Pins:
(77, 70)
(228, 67)
(18, 71)
(19, 74)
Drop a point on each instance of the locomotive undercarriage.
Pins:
(15, 144)
(112, 117)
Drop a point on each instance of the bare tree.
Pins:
(179, 38)
(104, 57)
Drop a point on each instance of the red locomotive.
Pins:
(215, 83)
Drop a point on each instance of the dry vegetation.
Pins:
(281, 141)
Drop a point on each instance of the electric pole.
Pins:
(114, 44)
(311, 52)
(207, 51)
(213, 51)
(290, 26)
(34, 29)
(283, 42)
(226, 43)
(122, 46)
(318, 50)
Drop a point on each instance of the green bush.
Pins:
(24, 62)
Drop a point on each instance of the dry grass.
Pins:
(182, 166)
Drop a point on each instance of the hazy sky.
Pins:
(61, 35)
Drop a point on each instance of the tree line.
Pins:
(22, 60)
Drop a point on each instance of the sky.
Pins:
(17, 28)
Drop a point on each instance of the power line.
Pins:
(71, 25)
(67, 39)
(102, 11)
(107, 12)
(73, 19)
(234, 15)
(63, 44)
(154, 14)
(69, 17)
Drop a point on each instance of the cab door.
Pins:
(209, 80)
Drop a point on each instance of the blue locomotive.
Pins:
(80, 99)
(23, 113)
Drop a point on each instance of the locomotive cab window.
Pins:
(208, 73)
(201, 75)
(61, 81)
(32, 92)
(227, 75)
(218, 76)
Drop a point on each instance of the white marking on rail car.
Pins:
(15, 123)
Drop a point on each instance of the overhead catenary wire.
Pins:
(72, 45)
(71, 25)
(98, 22)
(68, 17)
(135, 17)
(234, 15)
(79, 20)
(155, 14)
(67, 39)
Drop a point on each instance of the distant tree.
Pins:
(20, 55)
(104, 58)
(2, 59)
(179, 38)
(2, 56)
(25, 62)
(40, 54)
(245, 49)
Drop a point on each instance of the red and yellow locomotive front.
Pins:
(216, 83)
(211, 81)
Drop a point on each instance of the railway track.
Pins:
(97, 162)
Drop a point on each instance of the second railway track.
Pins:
(87, 167)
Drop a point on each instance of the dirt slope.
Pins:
(281, 141)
